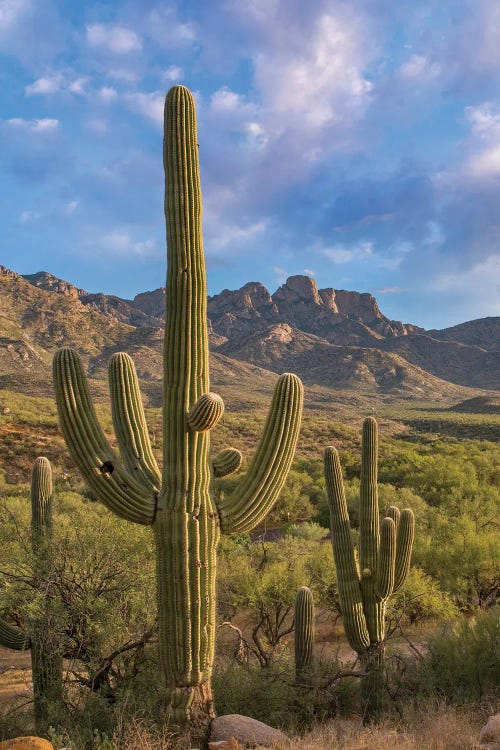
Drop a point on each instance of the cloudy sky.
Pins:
(356, 142)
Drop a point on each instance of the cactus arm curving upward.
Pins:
(129, 422)
(343, 551)
(404, 547)
(100, 467)
(14, 638)
(384, 583)
(252, 500)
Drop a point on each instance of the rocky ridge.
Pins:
(334, 338)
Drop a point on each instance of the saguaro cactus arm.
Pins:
(304, 631)
(227, 462)
(41, 500)
(130, 423)
(100, 467)
(404, 547)
(252, 500)
(14, 638)
(343, 551)
(384, 584)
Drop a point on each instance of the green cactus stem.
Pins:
(41, 638)
(179, 503)
(384, 560)
(304, 634)
(227, 462)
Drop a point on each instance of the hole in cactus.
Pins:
(107, 468)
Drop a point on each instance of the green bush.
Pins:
(463, 661)
(270, 695)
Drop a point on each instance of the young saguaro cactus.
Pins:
(304, 633)
(384, 560)
(46, 660)
(178, 503)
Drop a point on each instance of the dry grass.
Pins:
(443, 728)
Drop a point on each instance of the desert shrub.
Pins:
(271, 695)
(420, 599)
(463, 661)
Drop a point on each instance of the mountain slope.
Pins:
(335, 338)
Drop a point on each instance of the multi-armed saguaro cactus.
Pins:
(384, 560)
(46, 660)
(179, 503)
(304, 633)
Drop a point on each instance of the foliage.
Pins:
(463, 662)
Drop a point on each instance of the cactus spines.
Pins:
(304, 633)
(46, 660)
(384, 560)
(13, 638)
(206, 413)
(179, 505)
(227, 462)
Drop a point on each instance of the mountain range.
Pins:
(332, 338)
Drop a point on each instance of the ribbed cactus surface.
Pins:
(304, 633)
(384, 559)
(179, 502)
(46, 660)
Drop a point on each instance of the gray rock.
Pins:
(489, 737)
(248, 732)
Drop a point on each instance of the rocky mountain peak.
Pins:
(298, 289)
(50, 283)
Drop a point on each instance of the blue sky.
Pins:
(356, 142)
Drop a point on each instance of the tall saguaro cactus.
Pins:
(304, 633)
(46, 659)
(384, 560)
(178, 503)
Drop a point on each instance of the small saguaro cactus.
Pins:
(304, 633)
(384, 560)
(46, 660)
(178, 502)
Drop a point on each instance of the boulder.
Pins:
(26, 743)
(248, 732)
(489, 736)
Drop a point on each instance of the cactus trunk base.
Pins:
(372, 683)
(47, 687)
(191, 708)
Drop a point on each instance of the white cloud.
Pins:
(57, 83)
(116, 39)
(483, 276)
(173, 73)
(309, 272)
(11, 12)
(341, 254)
(78, 85)
(28, 216)
(45, 125)
(107, 94)
(47, 85)
(71, 207)
(315, 84)
(149, 105)
(390, 290)
(119, 241)
(98, 126)
(483, 145)
(419, 67)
